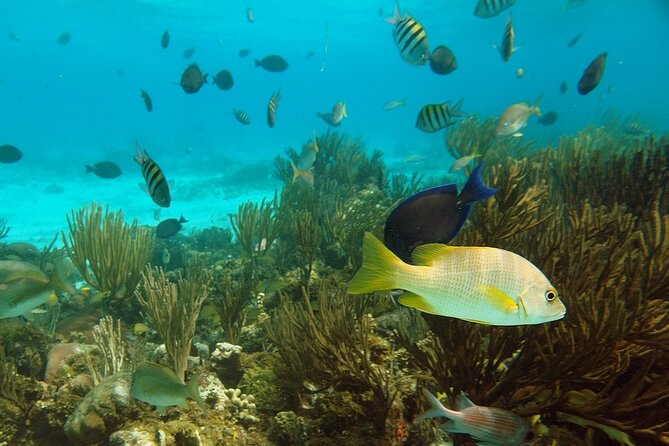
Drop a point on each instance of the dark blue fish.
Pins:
(434, 215)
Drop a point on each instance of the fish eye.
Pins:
(551, 295)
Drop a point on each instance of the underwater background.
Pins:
(248, 298)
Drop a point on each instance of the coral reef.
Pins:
(172, 308)
(108, 253)
(295, 360)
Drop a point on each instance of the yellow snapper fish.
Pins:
(489, 426)
(515, 118)
(24, 287)
(160, 386)
(478, 284)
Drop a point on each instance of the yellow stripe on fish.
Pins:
(410, 37)
(156, 183)
(271, 108)
(478, 284)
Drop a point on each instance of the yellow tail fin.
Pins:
(378, 269)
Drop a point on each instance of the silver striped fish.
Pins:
(241, 116)
(271, 108)
(487, 425)
(490, 8)
(434, 117)
(410, 37)
(156, 183)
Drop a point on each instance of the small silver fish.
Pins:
(392, 105)
(250, 17)
(336, 117)
(460, 163)
(489, 426)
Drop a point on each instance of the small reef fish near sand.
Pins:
(434, 117)
(273, 63)
(574, 40)
(489, 426)
(482, 285)
(148, 103)
(392, 105)
(223, 80)
(434, 215)
(241, 116)
(156, 183)
(461, 162)
(165, 40)
(410, 38)
(250, 17)
(188, 53)
(592, 74)
(442, 60)
(160, 386)
(338, 114)
(271, 108)
(10, 154)
(168, 228)
(104, 169)
(490, 8)
(515, 118)
(192, 79)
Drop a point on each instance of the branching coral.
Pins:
(109, 338)
(255, 226)
(606, 361)
(334, 345)
(108, 253)
(172, 308)
(232, 292)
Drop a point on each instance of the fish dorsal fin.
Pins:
(462, 402)
(498, 299)
(427, 254)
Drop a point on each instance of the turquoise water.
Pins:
(75, 104)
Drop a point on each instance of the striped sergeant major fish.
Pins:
(434, 117)
(271, 108)
(410, 37)
(241, 116)
(506, 49)
(490, 8)
(156, 183)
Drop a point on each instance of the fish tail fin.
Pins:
(182, 219)
(474, 189)
(396, 15)
(296, 171)
(456, 110)
(436, 408)
(535, 107)
(379, 265)
(344, 113)
(59, 278)
(257, 62)
(194, 391)
(89, 169)
(139, 158)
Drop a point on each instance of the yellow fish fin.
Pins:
(378, 268)
(499, 299)
(415, 301)
(427, 254)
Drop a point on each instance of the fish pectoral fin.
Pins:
(499, 299)
(415, 301)
(426, 255)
